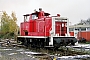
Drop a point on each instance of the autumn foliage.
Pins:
(8, 24)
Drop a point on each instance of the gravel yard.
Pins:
(17, 53)
(9, 53)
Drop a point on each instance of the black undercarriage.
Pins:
(33, 42)
(42, 42)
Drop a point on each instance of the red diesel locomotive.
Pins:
(41, 30)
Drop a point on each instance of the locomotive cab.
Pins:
(36, 15)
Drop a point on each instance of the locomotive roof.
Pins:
(45, 14)
(27, 15)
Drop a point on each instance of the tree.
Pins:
(81, 23)
(12, 23)
(84, 22)
(8, 23)
(5, 23)
(13, 26)
(88, 20)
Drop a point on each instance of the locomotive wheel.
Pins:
(72, 42)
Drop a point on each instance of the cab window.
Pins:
(34, 17)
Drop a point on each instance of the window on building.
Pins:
(88, 29)
(77, 29)
(83, 29)
(70, 29)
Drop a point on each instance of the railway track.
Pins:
(62, 51)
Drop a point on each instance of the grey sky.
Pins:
(75, 10)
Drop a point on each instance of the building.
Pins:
(80, 31)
